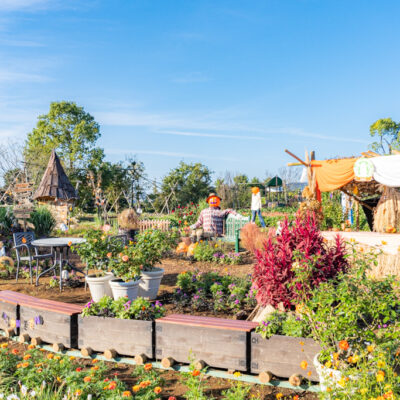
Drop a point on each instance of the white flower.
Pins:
(13, 397)
(1, 395)
(24, 390)
(43, 384)
(32, 393)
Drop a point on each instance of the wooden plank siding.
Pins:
(218, 342)
(126, 337)
(282, 355)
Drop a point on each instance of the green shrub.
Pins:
(7, 220)
(43, 221)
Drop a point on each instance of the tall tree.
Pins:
(184, 184)
(69, 130)
(387, 132)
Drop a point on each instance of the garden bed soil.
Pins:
(173, 267)
(174, 387)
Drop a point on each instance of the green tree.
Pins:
(69, 130)
(184, 184)
(387, 132)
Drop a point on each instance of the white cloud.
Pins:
(14, 76)
(20, 43)
(23, 5)
(215, 125)
(167, 154)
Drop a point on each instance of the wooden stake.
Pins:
(23, 338)
(110, 354)
(86, 351)
(297, 158)
(140, 359)
(167, 362)
(295, 380)
(265, 376)
(200, 364)
(36, 341)
(58, 347)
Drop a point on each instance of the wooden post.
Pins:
(357, 210)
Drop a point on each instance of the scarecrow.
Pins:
(211, 220)
(256, 206)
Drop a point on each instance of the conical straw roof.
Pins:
(55, 183)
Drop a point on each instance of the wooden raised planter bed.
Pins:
(281, 356)
(116, 336)
(216, 342)
(48, 321)
(9, 313)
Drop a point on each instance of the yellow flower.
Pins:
(380, 376)
(384, 242)
(342, 382)
(380, 364)
(370, 348)
(363, 390)
(72, 358)
(328, 364)
(279, 395)
(237, 374)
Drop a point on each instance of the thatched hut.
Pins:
(55, 190)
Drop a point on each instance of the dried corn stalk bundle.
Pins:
(128, 219)
(387, 212)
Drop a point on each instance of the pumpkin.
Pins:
(182, 248)
(214, 201)
(255, 190)
(390, 229)
(191, 249)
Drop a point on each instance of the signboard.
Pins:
(363, 170)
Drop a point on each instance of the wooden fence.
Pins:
(161, 224)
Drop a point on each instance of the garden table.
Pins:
(58, 245)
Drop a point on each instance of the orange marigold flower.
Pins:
(196, 372)
(125, 258)
(109, 255)
(112, 385)
(136, 388)
(14, 351)
(69, 243)
(50, 356)
(304, 364)
(157, 390)
(31, 346)
(87, 379)
(95, 368)
(296, 397)
(24, 365)
(27, 357)
(148, 367)
(79, 369)
(344, 345)
(95, 361)
(78, 392)
(127, 393)
(335, 356)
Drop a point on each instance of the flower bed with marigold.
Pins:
(32, 373)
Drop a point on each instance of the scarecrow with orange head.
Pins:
(256, 206)
(211, 220)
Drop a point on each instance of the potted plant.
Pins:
(125, 266)
(354, 318)
(150, 247)
(93, 252)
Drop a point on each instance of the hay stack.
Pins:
(128, 219)
(387, 212)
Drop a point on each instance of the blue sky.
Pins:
(227, 83)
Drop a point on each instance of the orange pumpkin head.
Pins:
(255, 190)
(213, 200)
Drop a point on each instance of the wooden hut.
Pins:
(55, 190)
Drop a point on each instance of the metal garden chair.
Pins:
(26, 253)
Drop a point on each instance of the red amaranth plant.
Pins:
(274, 271)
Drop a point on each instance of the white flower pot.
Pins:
(328, 377)
(100, 286)
(150, 283)
(124, 289)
